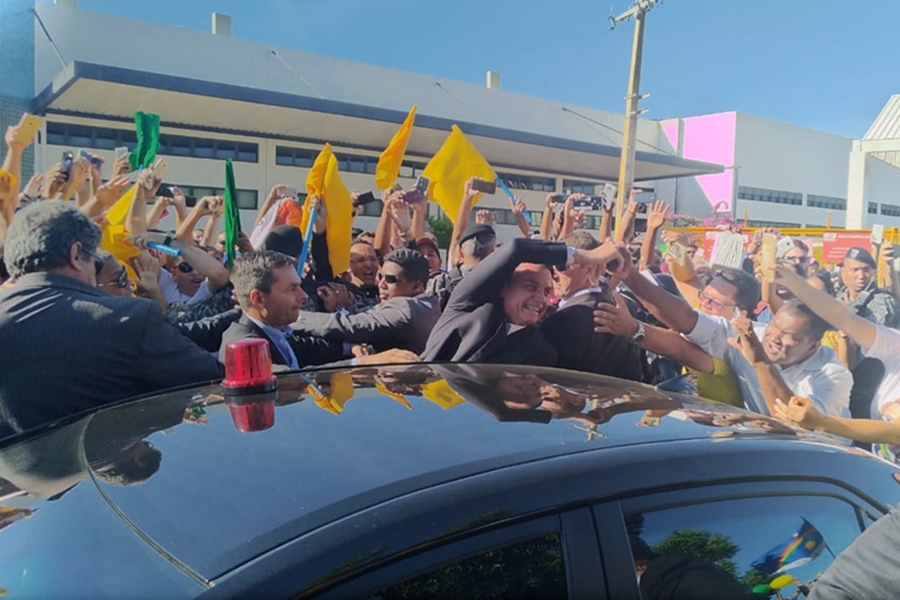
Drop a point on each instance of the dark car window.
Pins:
(738, 543)
(533, 568)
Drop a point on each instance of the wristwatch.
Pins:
(638, 336)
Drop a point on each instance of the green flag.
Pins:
(232, 214)
(147, 128)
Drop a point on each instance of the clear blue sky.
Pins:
(826, 64)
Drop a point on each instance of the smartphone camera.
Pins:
(67, 158)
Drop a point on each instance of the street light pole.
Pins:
(629, 137)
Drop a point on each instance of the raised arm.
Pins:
(617, 320)
(462, 217)
(830, 309)
(147, 185)
(656, 218)
(385, 224)
(204, 207)
(625, 233)
(203, 263)
(802, 412)
(275, 194)
(519, 212)
(671, 310)
(547, 219)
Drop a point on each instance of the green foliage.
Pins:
(442, 228)
(714, 547)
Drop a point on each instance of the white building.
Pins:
(781, 175)
(271, 109)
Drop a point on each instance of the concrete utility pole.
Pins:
(638, 10)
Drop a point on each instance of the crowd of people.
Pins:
(82, 327)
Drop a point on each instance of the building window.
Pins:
(873, 208)
(108, 138)
(890, 210)
(246, 199)
(773, 196)
(532, 568)
(528, 182)
(571, 186)
(776, 224)
(829, 202)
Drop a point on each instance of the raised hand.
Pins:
(799, 411)
(485, 217)
(657, 214)
(615, 318)
(107, 194)
(335, 295)
(746, 341)
(33, 190)
(147, 269)
(122, 166)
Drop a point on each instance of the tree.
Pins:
(714, 547)
(442, 228)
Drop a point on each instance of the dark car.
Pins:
(428, 481)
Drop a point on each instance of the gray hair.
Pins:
(253, 271)
(479, 247)
(41, 235)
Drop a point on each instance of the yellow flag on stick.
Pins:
(442, 394)
(451, 167)
(341, 392)
(114, 233)
(324, 180)
(392, 158)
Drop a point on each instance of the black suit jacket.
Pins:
(473, 327)
(310, 351)
(570, 330)
(68, 347)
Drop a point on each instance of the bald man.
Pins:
(492, 313)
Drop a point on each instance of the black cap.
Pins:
(477, 230)
(285, 239)
(861, 255)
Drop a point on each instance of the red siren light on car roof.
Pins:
(248, 368)
(249, 385)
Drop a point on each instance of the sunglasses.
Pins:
(389, 279)
(185, 267)
(98, 262)
(121, 280)
(704, 298)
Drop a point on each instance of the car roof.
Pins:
(212, 496)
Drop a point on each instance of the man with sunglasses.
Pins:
(68, 346)
(403, 319)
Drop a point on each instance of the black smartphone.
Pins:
(419, 193)
(364, 199)
(165, 191)
(485, 187)
(67, 158)
(559, 198)
(190, 201)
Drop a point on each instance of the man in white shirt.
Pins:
(790, 357)
(878, 342)
(195, 276)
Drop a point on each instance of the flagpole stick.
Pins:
(512, 198)
(827, 547)
(307, 240)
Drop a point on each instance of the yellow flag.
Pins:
(324, 180)
(392, 158)
(114, 234)
(442, 394)
(341, 392)
(398, 397)
(451, 167)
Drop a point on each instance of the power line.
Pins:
(475, 112)
(613, 129)
(298, 75)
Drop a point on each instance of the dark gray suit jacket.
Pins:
(66, 347)
(310, 351)
(403, 323)
(473, 327)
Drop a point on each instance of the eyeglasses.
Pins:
(705, 298)
(98, 262)
(389, 279)
(185, 267)
(121, 280)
